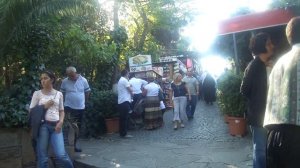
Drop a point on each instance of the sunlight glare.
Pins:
(259, 5)
(215, 65)
(203, 30)
(106, 5)
(202, 34)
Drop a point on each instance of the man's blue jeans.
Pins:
(259, 138)
(48, 135)
(191, 106)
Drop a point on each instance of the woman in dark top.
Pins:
(179, 91)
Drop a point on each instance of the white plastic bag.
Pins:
(162, 105)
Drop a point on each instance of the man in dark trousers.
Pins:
(282, 117)
(76, 91)
(254, 87)
(124, 102)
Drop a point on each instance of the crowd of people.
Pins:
(50, 107)
(148, 95)
(273, 103)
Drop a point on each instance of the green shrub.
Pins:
(101, 105)
(230, 101)
(14, 102)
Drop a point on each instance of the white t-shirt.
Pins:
(123, 92)
(75, 92)
(39, 98)
(152, 89)
(137, 84)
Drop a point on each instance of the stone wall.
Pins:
(16, 150)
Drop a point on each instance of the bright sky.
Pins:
(215, 65)
(203, 31)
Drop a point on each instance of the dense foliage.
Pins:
(102, 105)
(230, 101)
(53, 34)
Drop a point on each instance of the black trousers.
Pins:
(124, 109)
(283, 146)
(136, 98)
(74, 116)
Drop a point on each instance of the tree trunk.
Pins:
(7, 81)
(116, 26)
(146, 25)
(116, 14)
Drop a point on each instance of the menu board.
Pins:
(140, 63)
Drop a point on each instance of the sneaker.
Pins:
(127, 136)
(175, 126)
(76, 149)
(182, 125)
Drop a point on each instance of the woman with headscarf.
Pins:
(209, 89)
(179, 92)
(153, 117)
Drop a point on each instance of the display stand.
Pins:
(143, 74)
(168, 72)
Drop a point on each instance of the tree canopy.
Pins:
(53, 34)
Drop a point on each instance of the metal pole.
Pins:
(235, 54)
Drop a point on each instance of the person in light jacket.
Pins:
(282, 117)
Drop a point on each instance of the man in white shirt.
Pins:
(76, 90)
(136, 86)
(124, 100)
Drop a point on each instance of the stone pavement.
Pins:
(203, 143)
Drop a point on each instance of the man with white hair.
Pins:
(76, 91)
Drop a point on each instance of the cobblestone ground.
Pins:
(207, 125)
(203, 143)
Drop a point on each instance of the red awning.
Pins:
(256, 21)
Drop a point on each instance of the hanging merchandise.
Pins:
(176, 67)
(181, 66)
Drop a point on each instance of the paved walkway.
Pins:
(203, 143)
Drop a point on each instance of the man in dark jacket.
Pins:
(254, 88)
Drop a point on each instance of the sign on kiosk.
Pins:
(140, 63)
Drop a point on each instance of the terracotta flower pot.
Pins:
(226, 119)
(112, 125)
(237, 126)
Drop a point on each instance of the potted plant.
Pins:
(110, 112)
(102, 106)
(231, 102)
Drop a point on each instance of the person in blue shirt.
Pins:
(76, 91)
